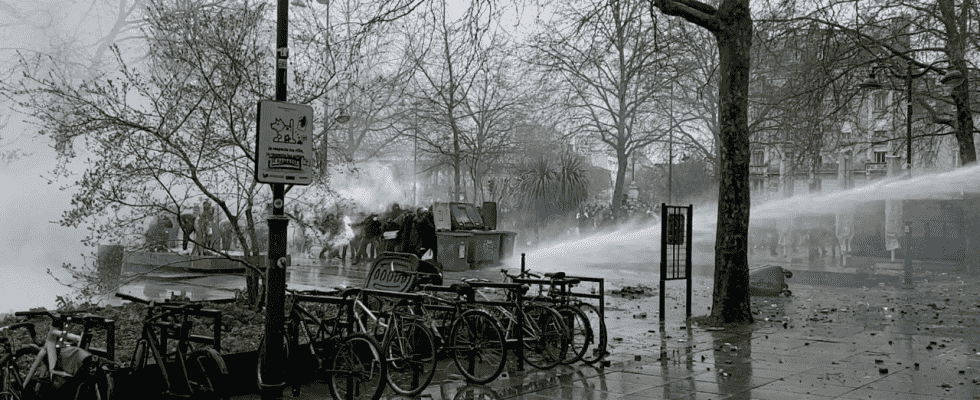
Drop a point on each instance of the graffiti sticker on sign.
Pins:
(284, 143)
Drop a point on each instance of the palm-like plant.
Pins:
(547, 190)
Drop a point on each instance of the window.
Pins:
(758, 157)
(881, 101)
(880, 157)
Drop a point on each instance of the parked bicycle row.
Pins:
(66, 364)
(389, 333)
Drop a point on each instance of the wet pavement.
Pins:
(841, 335)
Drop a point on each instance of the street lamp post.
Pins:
(951, 78)
(415, 164)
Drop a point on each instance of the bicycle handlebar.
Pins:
(23, 325)
(165, 305)
(38, 313)
(519, 276)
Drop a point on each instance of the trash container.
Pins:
(507, 241)
(486, 248)
(453, 250)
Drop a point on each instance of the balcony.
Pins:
(757, 169)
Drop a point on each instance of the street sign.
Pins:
(284, 143)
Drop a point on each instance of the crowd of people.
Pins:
(599, 216)
(335, 235)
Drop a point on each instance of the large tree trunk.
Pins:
(618, 188)
(731, 23)
(955, 49)
(731, 291)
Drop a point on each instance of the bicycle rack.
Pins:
(564, 290)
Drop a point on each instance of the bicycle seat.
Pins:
(555, 275)
(573, 281)
(462, 289)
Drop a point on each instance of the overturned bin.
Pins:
(769, 280)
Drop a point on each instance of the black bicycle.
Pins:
(15, 360)
(318, 340)
(185, 371)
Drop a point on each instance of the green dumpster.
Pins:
(486, 249)
(454, 250)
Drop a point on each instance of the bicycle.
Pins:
(198, 373)
(475, 341)
(560, 289)
(64, 365)
(14, 359)
(539, 331)
(408, 344)
(351, 361)
(577, 322)
(587, 325)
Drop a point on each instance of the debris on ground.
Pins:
(634, 291)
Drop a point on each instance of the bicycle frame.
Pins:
(172, 322)
(301, 317)
(361, 309)
(516, 323)
(58, 336)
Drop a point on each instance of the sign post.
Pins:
(279, 160)
(675, 250)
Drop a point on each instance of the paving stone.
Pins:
(807, 386)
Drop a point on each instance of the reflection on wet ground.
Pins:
(841, 335)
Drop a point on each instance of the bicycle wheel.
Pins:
(15, 367)
(596, 347)
(209, 374)
(476, 344)
(411, 355)
(98, 385)
(545, 336)
(357, 371)
(23, 358)
(10, 384)
(578, 330)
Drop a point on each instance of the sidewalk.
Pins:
(825, 342)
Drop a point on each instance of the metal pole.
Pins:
(664, 217)
(670, 148)
(687, 258)
(415, 165)
(908, 120)
(275, 270)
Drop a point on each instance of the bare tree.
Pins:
(448, 60)
(159, 134)
(915, 36)
(609, 58)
